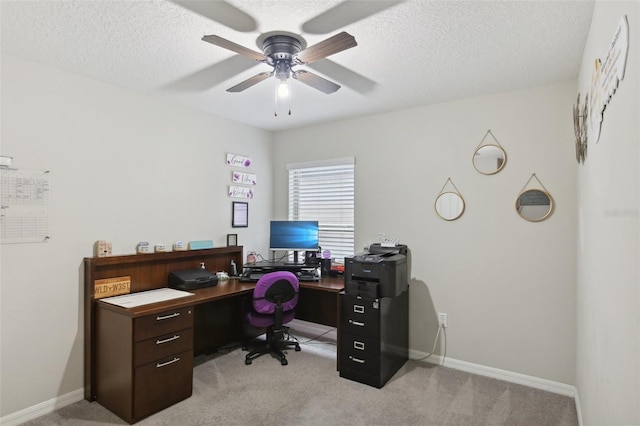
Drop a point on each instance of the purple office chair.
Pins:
(274, 300)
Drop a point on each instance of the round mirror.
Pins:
(489, 159)
(534, 205)
(449, 205)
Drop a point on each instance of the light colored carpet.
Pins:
(309, 391)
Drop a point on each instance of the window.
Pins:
(324, 191)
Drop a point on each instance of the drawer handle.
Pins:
(173, 315)
(358, 323)
(358, 360)
(170, 339)
(164, 364)
(358, 309)
(358, 345)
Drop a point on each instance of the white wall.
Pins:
(608, 290)
(508, 285)
(125, 168)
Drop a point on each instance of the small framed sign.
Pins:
(240, 214)
(232, 240)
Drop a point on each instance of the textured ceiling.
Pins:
(409, 53)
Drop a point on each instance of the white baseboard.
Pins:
(496, 373)
(508, 376)
(42, 408)
(578, 408)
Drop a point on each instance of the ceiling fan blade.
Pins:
(221, 12)
(315, 81)
(335, 44)
(235, 47)
(344, 14)
(344, 75)
(250, 82)
(211, 76)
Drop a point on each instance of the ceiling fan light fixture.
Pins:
(283, 89)
(282, 96)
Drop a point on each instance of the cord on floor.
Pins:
(435, 342)
(312, 341)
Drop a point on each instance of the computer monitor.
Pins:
(294, 235)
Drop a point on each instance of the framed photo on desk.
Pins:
(240, 214)
(232, 240)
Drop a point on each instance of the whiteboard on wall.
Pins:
(25, 198)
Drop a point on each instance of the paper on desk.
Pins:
(146, 297)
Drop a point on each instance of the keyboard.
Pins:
(255, 276)
(250, 278)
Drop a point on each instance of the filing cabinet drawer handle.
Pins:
(358, 309)
(164, 364)
(358, 323)
(170, 339)
(358, 360)
(358, 345)
(173, 315)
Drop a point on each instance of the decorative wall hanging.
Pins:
(240, 192)
(239, 215)
(489, 158)
(580, 128)
(607, 74)
(534, 205)
(449, 205)
(244, 178)
(236, 160)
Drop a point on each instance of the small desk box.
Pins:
(191, 279)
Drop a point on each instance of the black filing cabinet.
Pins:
(373, 337)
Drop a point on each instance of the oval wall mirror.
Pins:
(449, 205)
(489, 159)
(534, 205)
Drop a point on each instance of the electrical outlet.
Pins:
(443, 320)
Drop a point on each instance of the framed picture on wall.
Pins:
(240, 214)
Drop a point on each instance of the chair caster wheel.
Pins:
(297, 349)
(284, 362)
(247, 362)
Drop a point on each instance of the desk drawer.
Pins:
(162, 383)
(162, 323)
(160, 347)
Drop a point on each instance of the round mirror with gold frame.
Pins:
(534, 205)
(449, 205)
(489, 159)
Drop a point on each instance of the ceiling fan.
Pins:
(283, 52)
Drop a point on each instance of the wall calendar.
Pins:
(25, 204)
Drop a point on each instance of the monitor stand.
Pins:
(295, 259)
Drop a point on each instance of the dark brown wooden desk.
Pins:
(122, 355)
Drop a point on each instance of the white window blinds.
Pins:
(324, 191)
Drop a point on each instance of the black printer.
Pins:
(380, 272)
(191, 279)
